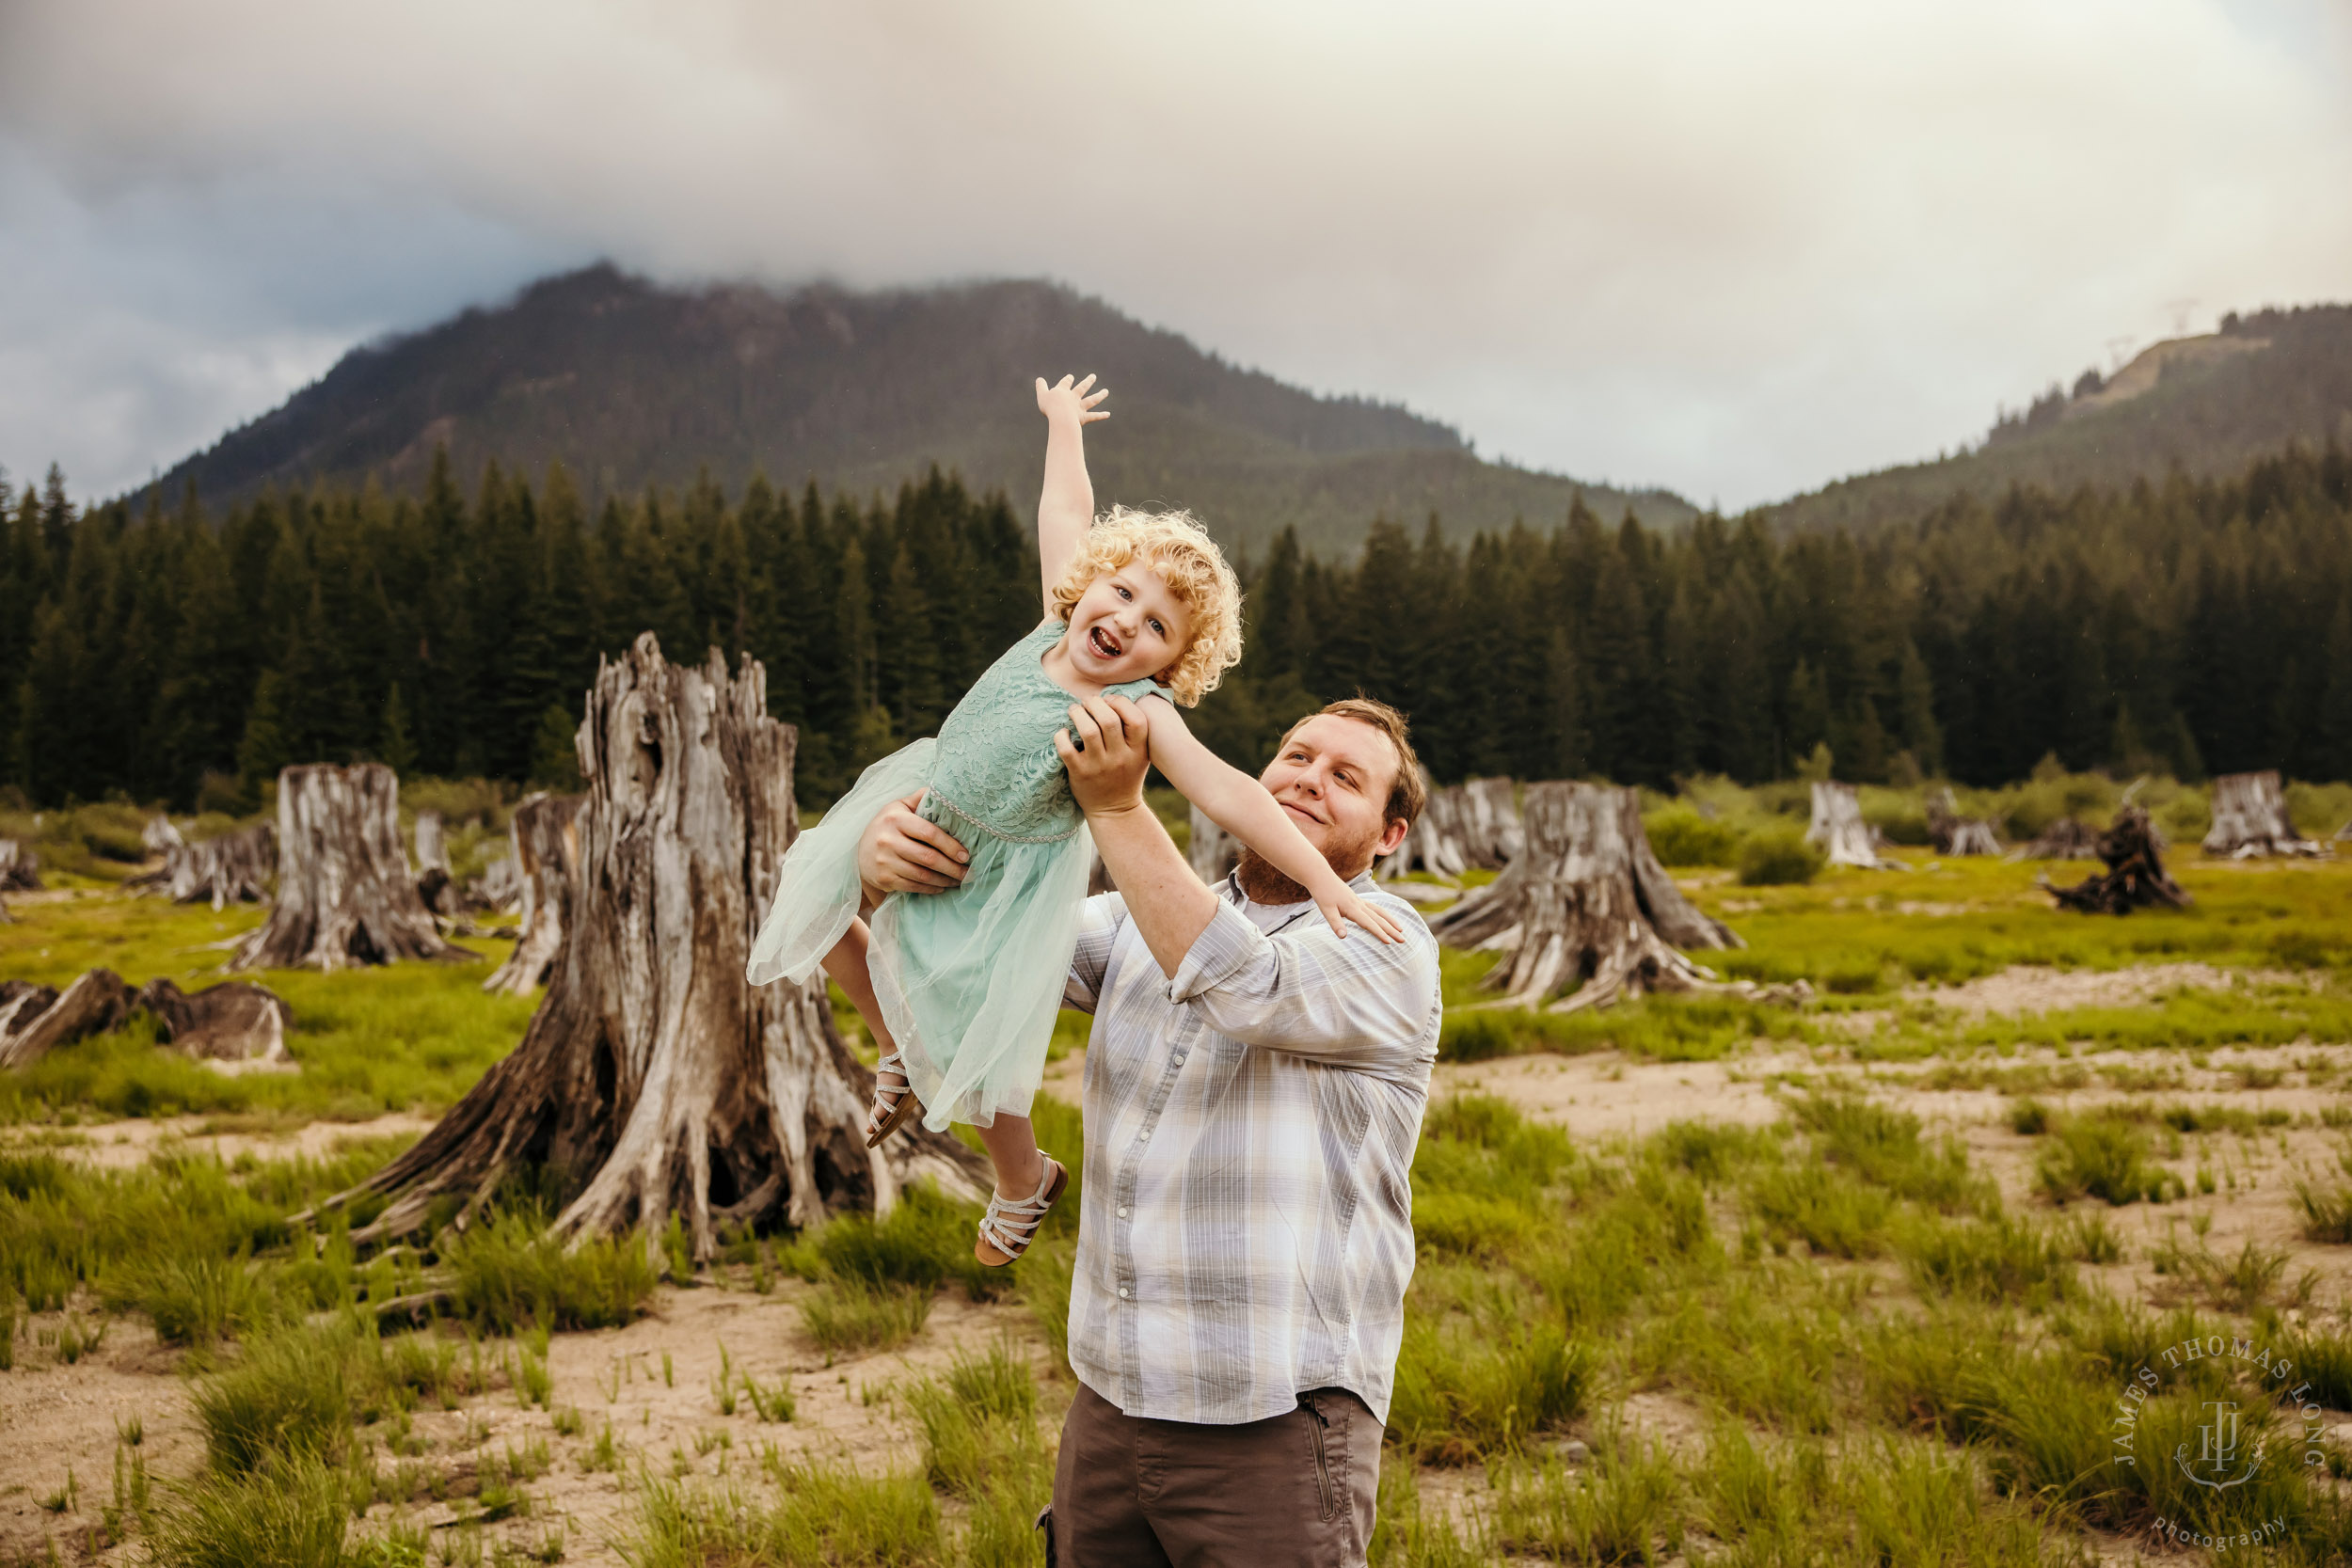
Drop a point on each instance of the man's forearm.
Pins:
(1165, 900)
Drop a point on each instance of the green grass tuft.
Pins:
(507, 1273)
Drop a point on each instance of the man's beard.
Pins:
(1262, 882)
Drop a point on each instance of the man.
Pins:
(1253, 1096)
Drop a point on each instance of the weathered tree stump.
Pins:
(432, 883)
(544, 843)
(235, 1024)
(2135, 878)
(1957, 835)
(234, 868)
(1839, 832)
(36, 1020)
(344, 892)
(2068, 838)
(2249, 819)
(1473, 825)
(654, 1081)
(1585, 899)
(499, 887)
(1214, 852)
(232, 1025)
(19, 867)
(160, 835)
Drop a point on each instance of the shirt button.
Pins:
(1180, 1060)
(1122, 1210)
(1123, 1292)
(1144, 1136)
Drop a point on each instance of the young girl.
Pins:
(961, 987)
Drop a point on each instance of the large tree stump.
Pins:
(1473, 825)
(234, 868)
(344, 892)
(1213, 851)
(160, 835)
(654, 1080)
(1585, 900)
(1957, 835)
(36, 1020)
(19, 867)
(2249, 819)
(543, 843)
(1838, 829)
(2135, 878)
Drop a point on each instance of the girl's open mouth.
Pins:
(1102, 642)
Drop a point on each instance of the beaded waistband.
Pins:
(999, 833)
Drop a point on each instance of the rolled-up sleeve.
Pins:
(1356, 1002)
(1098, 934)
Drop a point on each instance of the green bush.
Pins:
(1679, 835)
(1778, 858)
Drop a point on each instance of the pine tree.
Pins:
(554, 750)
(1919, 734)
(266, 750)
(2331, 737)
(395, 739)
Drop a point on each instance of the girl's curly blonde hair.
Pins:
(1187, 560)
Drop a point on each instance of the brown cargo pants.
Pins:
(1293, 1489)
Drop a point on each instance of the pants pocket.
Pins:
(1318, 1434)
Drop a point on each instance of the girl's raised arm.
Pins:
(1066, 510)
(1240, 806)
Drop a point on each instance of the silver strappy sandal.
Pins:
(893, 1107)
(1010, 1224)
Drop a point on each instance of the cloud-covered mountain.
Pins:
(630, 384)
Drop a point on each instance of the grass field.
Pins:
(1864, 1280)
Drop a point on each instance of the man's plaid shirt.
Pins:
(1244, 1226)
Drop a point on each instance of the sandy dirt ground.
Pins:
(56, 1418)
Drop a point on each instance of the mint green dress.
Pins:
(970, 979)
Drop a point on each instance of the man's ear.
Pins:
(1391, 834)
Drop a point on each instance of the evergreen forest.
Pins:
(158, 652)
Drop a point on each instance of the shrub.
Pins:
(1680, 836)
(1778, 858)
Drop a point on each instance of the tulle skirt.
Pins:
(969, 980)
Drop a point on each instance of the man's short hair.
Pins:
(1410, 791)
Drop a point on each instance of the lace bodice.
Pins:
(996, 768)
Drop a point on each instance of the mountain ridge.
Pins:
(2206, 405)
(630, 383)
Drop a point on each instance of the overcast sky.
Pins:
(1734, 248)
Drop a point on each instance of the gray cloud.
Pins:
(1733, 248)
